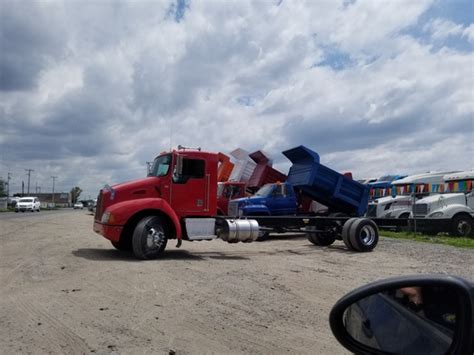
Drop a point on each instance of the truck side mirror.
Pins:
(430, 314)
(179, 165)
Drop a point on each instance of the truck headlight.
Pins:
(105, 217)
(436, 214)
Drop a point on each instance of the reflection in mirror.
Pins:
(408, 320)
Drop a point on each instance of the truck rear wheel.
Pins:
(149, 238)
(320, 238)
(462, 226)
(345, 232)
(363, 234)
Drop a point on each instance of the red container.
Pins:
(263, 173)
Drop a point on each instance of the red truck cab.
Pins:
(181, 183)
(226, 191)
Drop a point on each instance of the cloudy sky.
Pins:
(91, 90)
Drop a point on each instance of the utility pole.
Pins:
(54, 178)
(29, 174)
(8, 185)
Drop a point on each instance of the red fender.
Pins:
(122, 211)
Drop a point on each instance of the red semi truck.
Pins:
(178, 200)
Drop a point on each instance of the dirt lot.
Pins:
(64, 289)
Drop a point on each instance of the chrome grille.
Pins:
(98, 209)
(421, 209)
(372, 210)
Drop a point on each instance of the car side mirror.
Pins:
(430, 314)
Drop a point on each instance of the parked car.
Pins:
(78, 205)
(92, 205)
(28, 204)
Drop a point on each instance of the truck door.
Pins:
(282, 201)
(470, 200)
(189, 193)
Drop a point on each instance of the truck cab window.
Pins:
(161, 166)
(192, 169)
(279, 191)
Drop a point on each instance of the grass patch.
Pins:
(459, 242)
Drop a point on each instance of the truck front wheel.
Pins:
(149, 238)
(263, 236)
(462, 226)
(122, 246)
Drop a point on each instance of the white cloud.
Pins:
(469, 33)
(441, 29)
(124, 82)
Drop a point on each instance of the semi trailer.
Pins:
(178, 200)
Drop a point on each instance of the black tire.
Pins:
(364, 235)
(263, 236)
(149, 238)
(345, 233)
(122, 246)
(462, 226)
(320, 239)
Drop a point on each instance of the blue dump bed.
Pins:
(325, 185)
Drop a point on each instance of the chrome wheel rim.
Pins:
(464, 227)
(367, 235)
(155, 237)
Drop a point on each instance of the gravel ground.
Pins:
(64, 289)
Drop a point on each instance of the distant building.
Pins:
(61, 199)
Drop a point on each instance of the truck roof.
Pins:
(461, 175)
(425, 178)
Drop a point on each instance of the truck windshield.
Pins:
(387, 178)
(161, 166)
(265, 190)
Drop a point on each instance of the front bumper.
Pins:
(109, 232)
(25, 209)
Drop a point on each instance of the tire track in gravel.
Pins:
(14, 273)
(58, 335)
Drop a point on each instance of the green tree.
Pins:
(75, 193)
(3, 188)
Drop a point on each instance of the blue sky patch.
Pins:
(177, 9)
(335, 58)
(459, 12)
